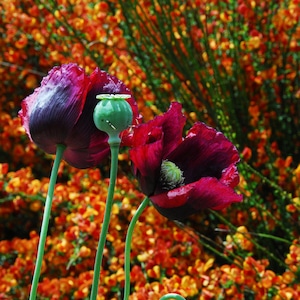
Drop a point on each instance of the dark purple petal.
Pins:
(87, 146)
(217, 141)
(104, 83)
(61, 110)
(205, 152)
(88, 157)
(50, 113)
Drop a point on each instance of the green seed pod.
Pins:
(171, 176)
(113, 114)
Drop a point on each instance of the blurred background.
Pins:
(232, 64)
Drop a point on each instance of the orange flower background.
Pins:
(232, 64)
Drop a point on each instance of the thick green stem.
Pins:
(114, 148)
(132, 224)
(45, 223)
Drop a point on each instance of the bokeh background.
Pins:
(233, 64)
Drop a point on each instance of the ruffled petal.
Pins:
(206, 193)
(210, 193)
(171, 122)
(217, 141)
(147, 160)
(174, 204)
(205, 152)
(230, 176)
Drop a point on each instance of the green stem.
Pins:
(172, 296)
(263, 235)
(114, 148)
(271, 183)
(258, 246)
(45, 223)
(132, 224)
(272, 237)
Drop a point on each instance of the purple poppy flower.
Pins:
(60, 111)
(183, 176)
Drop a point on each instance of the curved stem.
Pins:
(132, 224)
(258, 246)
(128, 245)
(114, 148)
(271, 183)
(45, 222)
(172, 296)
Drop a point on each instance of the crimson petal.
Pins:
(171, 122)
(206, 193)
(210, 193)
(146, 160)
(152, 141)
(230, 176)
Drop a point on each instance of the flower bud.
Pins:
(113, 114)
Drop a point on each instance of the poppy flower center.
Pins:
(171, 176)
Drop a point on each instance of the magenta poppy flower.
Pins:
(60, 111)
(183, 176)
